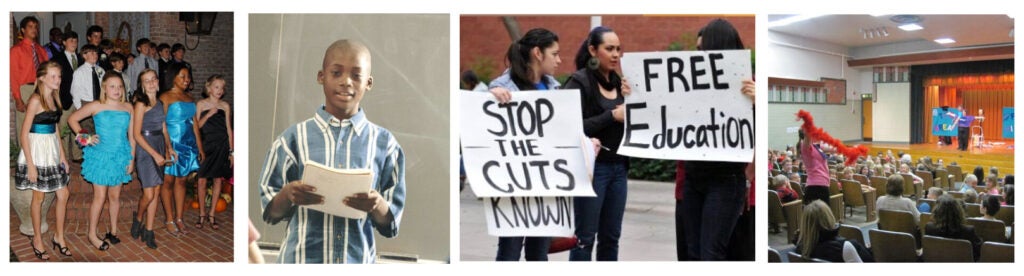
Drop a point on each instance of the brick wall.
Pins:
(214, 55)
(485, 37)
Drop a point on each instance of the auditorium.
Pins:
(890, 138)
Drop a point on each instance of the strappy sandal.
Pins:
(112, 238)
(213, 223)
(103, 247)
(176, 232)
(181, 229)
(64, 250)
(40, 254)
(200, 222)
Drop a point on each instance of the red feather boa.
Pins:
(818, 133)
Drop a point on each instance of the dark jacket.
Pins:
(67, 75)
(597, 120)
(830, 248)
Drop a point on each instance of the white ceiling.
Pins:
(845, 30)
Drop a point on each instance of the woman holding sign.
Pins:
(532, 60)
(601, 95)
(714, 192)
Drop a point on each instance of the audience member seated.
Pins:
(905, 169)
(992, 185)
(933, 193)
(979, 173)
(819, 237)
(1008, 193)
(781, 186)
(894, 200)
(970, 181)
(989, 207)
(971, 196)
(948, 222)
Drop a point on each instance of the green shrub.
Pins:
(652, 169)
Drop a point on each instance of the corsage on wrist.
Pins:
(85, 139)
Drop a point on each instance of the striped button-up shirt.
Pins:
(313, 236)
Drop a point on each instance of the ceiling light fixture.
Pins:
(790, 20)
(945, 40)
(911, 27)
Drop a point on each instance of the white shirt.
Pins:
(81, 85)
(72, 59)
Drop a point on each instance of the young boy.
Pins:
(339, 135)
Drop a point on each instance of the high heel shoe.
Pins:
(136, 226)
(148, 237)
(103, 247)
(200, 222)
(181, 227)
(112, 238)
(213, 223)
(64, 250)
(175, 231)
(40, 254)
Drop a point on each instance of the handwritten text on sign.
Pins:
(688, 106)
(530, 146)
(529, 216)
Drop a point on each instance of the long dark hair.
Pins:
(594, 39)
(518, 55)
(719, 34)
(948, 214)
(140, 93)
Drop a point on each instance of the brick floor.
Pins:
(200, 245)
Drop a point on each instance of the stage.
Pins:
(995, 153)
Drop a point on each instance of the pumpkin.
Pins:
(195, 204)
(221, 205)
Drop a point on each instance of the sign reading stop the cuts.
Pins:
(530, 146)
(688, 106)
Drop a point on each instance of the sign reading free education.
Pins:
(530, 146)
(688, 106)
(944, 121)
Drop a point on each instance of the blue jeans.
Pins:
(712, 206)
(510, 247)
(601, 215)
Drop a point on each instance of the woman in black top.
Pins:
(714, 192)
(601, 95)
(948, 222)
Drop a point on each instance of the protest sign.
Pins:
(531, 146)
(688, 106)
(529, 216)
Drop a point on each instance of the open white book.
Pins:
(335, 185)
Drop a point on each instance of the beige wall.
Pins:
(410, 97)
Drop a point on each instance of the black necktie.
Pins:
(95, 84)
(147, 62)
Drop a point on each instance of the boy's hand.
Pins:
(302, 194)
(370, 202)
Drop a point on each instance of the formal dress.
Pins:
(215, 146)
(106, 162)
(150, 173)
(183, 140)
(45, 145)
